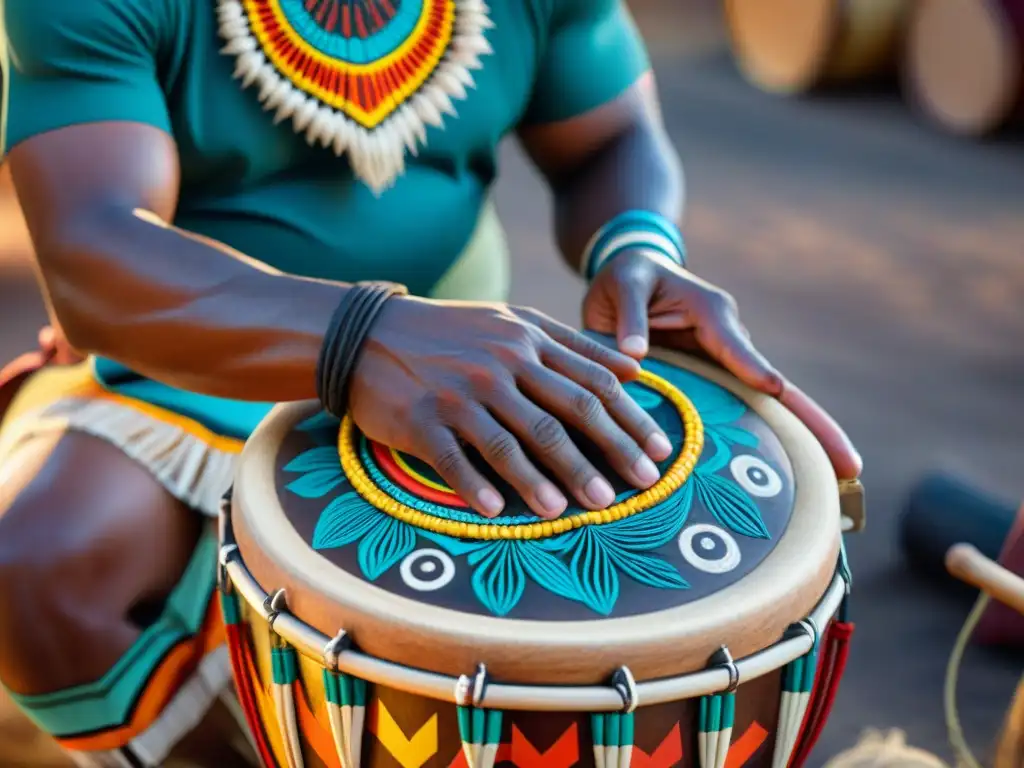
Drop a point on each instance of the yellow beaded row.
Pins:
(670, 482)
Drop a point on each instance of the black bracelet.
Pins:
(350, 325)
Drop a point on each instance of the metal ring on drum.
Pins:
(373, 617)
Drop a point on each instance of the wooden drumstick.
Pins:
(966, 563)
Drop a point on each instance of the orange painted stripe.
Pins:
(667, 754)
(745, 746)
(316, 735)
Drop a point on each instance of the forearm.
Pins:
(186, 311)
(636, 170)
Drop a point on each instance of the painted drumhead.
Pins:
(737, 540)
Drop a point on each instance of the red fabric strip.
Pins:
(826, 686)
(240, 665)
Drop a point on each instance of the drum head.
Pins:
(738, 540)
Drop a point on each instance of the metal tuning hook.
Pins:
(722, 658)
(334, 648)
(625, 685)
(274, 606)
(471, 690)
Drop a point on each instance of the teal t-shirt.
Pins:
(260, 187)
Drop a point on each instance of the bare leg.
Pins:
(90, 546)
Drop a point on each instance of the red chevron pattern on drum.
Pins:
(666, 755)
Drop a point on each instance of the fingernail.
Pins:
(600, 493)
(645, 471)
(490, 501)
(551, 499)
(634, 345)
(658, 447)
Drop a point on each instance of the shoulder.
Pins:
(36, 31)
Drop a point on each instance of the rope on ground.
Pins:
(961, 749)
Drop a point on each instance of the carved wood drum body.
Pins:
(375, 621)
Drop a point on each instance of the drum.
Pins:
(375, 621)
(965, 63)
(793, 46)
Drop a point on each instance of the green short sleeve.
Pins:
(80, 61)
(593, 53)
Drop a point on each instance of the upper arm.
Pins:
(84, 115)
(592, 54)
(594, 84)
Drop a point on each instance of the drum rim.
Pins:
(660, 644)
(334, 656)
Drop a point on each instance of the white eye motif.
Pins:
(755, 476)
(427, 570)
(709, 548)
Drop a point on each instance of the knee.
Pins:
(59, 606)
(43, 565)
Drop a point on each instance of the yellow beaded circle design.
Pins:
(671, 481)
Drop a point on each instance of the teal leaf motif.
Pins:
(736, 435)
(715, 404)
(548, 571)
(314, 459)
(652, 571)
(718, 460)
(322, 420)
(592, 569)
(384, 545)
(653, 528)
(322, 429)
(344, 521)
(730, 506)
(316, 484)
(499, 579)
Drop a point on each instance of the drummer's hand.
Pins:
(436, 374)
(639, 299)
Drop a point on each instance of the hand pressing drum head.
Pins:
(434, 375)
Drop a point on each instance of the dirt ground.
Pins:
(879, 264)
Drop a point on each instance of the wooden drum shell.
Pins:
(794, 46)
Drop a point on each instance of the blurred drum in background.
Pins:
(965, 63)
(793, 46)
(375, 620)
